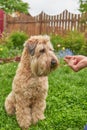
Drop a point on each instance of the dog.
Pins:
(30, 85)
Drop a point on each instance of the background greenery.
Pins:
(12, 44)
(66, 101)
(73, 40)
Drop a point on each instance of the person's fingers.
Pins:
(68, 57)
(66, 60)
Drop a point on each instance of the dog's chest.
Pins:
(36, 87)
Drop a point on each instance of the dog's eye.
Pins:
(52, 50)
(42, 50)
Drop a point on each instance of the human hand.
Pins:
(76, 62)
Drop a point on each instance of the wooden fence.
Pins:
(45, 24)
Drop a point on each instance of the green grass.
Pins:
(66, 102)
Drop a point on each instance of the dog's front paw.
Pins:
(36, 119)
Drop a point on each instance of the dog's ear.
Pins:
(31, 47)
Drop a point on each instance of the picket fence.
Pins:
(45, 24)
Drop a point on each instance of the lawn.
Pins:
(66, 102)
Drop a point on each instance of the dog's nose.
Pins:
(53, 63)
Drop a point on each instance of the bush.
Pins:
(83, 50)
(17, 39)
(73, 40)
(3, 51)
(11, 45)
(57, 41)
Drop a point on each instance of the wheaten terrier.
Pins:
(30, 85)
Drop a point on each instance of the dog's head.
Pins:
(42, 57)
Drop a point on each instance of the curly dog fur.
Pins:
(30, 85)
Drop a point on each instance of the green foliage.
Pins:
(66, 101)
(83, 9)
(72, 40)
(14, 40)
(17, 39)
(57, 41)
(5, 52)
(12, 45)
(11, 6)
(83, 50)
(83, 6)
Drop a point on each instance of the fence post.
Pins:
(1, 22)
(41, 22)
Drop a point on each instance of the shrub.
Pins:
(11, 45)
(57, 41)
(73, 40)
(3, 51)
(83, 50)
(17, 39)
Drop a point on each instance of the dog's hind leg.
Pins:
(10, 104)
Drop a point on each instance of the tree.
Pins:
(83, 9)
(83, 6)
(10, 6)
